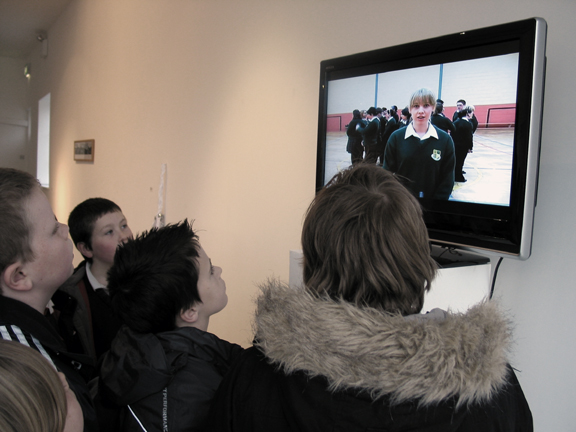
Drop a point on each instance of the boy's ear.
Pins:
(15, 278)
(84, 249)
(190, 315)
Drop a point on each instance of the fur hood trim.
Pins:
(427, 357)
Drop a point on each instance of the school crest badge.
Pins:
(436, 155)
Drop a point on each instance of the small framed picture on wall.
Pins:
(84, 151)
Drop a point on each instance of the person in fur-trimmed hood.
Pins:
(350, 350)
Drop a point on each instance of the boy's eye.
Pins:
(211, 269)
(108, 232)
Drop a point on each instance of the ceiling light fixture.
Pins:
(43, 37)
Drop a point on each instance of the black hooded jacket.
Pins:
(164, 381)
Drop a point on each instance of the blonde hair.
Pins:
(32, 397)
(423, 95)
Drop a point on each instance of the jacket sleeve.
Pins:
(507, 410)
(446, 180)
(450, 125)
(232, 403)
(16, 334)
(390, 154)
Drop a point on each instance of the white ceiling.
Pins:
(22, 20)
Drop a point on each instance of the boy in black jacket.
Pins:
(35, 259)
(164, 367)
(86, 321)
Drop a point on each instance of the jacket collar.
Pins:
(429, 358)
(142, 364)
(14, 312)
(430, 132)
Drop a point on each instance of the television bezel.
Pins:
(497, 230)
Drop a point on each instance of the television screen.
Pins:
(496, 75)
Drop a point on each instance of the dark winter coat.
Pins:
(86, 320)
(325, 365)
(164, 381)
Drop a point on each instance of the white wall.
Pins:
(13, 114)
(225, 93)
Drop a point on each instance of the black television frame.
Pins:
(497, 230)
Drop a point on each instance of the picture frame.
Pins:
(84, 150)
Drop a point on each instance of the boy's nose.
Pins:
(126, 235)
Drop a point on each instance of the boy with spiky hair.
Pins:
(35, 259)
(86, 320)
(421, 153)
(164, 366)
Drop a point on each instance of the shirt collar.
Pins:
(430, 133)
(92, 279)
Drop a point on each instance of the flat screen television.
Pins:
(499, 70)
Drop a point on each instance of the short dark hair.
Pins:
(84, 216)
(462, 101)
(372, 111)
(438, 108)
(16, 187)
(364, 241)
(464, 112)
(155, 277)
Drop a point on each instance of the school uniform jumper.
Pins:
(427, 165)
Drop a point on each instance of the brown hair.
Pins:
(32, 397)
(364, 241)
(15, 188)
